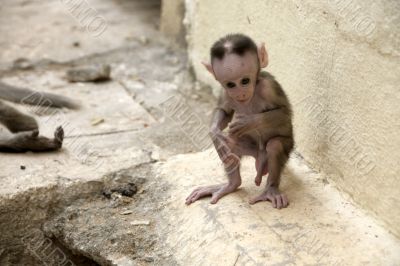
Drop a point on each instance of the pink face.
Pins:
(238, 75)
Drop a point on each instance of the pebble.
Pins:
(148, 259)
(99, 72)
(23, 63)
(138, 222)
(97, 121)
(126, 212)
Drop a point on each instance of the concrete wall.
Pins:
(171, 22)
(339, 62)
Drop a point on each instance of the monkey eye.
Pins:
(230, 85)
(245, 81)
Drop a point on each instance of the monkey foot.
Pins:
(31, 141)
(272, 194)
(59, 135)
(216, 192)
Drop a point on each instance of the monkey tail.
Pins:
(30, 97)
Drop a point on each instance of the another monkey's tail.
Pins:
(27, 96)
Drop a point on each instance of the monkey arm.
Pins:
(276, 122)
(220, 120)
(278, 119)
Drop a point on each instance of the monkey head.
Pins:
(235, 63)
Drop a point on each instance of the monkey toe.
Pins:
(35, 133)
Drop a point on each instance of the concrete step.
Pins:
(320, 226)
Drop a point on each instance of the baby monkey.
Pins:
(258, 116)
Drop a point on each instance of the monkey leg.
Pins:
(247, 146)
(230, 153)
(261, 166)
(31, 141)
(278, 150)
(14, 120)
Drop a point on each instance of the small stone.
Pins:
(89, 73)
(107, 194)
(22, 63)
(126, 199)
(143, 39)
(175, 60)
(97, 121)
(195, 96)
(76, 44)
(140, 222)
(155, 155)
(72, 216)
(127, 190)
(126, 212)
(22, 167)
(148, 259)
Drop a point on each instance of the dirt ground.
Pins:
(114, 195)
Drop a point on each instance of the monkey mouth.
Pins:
(243, 101)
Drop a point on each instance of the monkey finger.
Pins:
(197, 196)
(215, 197)
(192, 194)
(241, 131)
(194, 191)
(220, 193)
(193, 198)
(200, 194)
(273, 200)
(233, 124)
(233, 128)
(236, 132)
(278, 201)
(240, 116)
(285, 201)
(260, 197)
(188, 201)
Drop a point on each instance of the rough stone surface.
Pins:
(319, 227)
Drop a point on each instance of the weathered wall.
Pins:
(171, 22)
(339, 62)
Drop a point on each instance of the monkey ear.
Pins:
(208, 67)
(262, 55)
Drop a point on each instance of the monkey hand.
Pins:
(242, 125)
(272, 193)
(216, 192)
